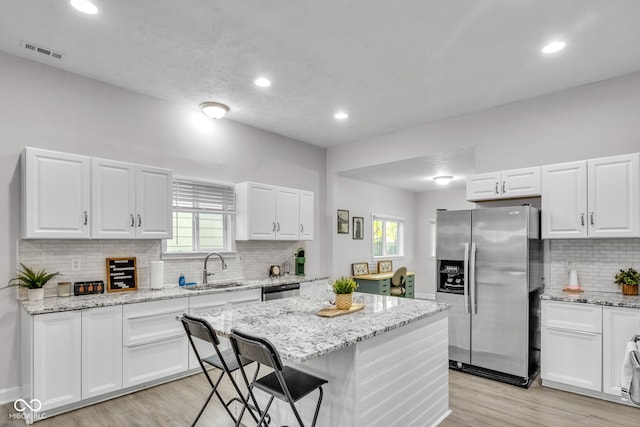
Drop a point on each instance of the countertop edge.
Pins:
(607, 299)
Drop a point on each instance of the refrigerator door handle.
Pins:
(472, 286)
(466, 278)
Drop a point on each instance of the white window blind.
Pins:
(197, 196)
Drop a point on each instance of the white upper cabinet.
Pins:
(267, 212)
(594, 198)
(306, 215)
(55, 195)
(71, 196)
(504, 185)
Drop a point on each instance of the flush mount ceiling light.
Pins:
(214, 110)
(443, 180)
(262, 82)
(84, 6)
(341, 115)
(554, 47)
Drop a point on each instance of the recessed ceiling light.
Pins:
(84, 6)
(262, 82)
(554, 47)
(443, 180)
(214, 110)
(341, 115)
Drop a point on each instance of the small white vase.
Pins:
(35, 294)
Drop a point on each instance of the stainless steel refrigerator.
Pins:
(489, 268)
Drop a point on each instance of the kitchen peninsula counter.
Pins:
(385, 365)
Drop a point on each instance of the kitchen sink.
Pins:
(216, 285)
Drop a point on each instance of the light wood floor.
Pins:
(475, 401)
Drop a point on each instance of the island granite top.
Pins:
(299, 334)
(81, 302)
(612, 299)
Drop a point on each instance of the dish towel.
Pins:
(628, 370)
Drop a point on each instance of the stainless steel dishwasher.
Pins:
(280, 291)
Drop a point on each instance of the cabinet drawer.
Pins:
(148, 362)
(572, 316)
(151, 321)
(204, 302)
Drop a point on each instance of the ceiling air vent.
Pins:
(34, 48)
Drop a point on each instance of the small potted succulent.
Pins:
(33, 280)
(344, 288)
(629, 279)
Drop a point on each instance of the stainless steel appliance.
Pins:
(280, 291)
(489, 268)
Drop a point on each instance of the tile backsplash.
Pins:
(252, 259)
(596, 260)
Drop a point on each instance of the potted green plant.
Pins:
(629, 279)
(343, 288)
(33, 280)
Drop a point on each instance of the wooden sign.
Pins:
(121, 274)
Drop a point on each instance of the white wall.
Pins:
(48, 108)
(363, 199)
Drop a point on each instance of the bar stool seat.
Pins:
(299, 383)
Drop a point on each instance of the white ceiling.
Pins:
(391, 65)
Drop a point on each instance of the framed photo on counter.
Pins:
(343, 221)
(358, 227)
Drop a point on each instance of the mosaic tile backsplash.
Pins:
(596, 260)
(252, 259)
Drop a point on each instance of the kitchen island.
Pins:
(385, 365)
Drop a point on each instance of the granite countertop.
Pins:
(292, 325)
(613, 299)
(80, 302)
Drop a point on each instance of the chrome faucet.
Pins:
(205, 274)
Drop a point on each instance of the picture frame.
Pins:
(360, 268)
(385, 266)
(121, 274)
(358, 227)
(343, 221)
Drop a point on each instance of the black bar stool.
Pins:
(286, 383)
(224, 360)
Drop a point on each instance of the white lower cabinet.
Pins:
(101, 351)
(202, 304)
(57, 359)
(619, 325)
(572, 344)
(154, 344)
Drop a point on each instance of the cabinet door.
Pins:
(572, 357)
(261, 212)
(287, 214)
(483, 186)
(564, 201)
(159, 359)
(306, 215)
(57, 359)
(614, 199)
(619, 326)
(55, 195)
(153, 203)
(521, 182)
(113, 199)
(101, 351)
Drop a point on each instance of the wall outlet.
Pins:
(76, 264)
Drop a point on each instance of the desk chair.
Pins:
(224, 360)
(286, 383)
(398, 280)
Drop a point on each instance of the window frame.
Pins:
(229, 221)
(401, 225)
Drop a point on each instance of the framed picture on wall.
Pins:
(358, 227)
(343, 221)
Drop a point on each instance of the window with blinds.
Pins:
(203, 216)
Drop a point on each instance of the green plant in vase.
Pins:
(33, 280)
(629, 280)
(344, 288)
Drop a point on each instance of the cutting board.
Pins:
(333, 312)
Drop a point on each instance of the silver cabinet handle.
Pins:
(274, 227)
(133, 221)
(139, 221)
(591, 218)
(301, 228)
(503, 186)
(278, 227)
(86, 218)
(582, 219)
(466, 278)
(497, 192)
